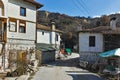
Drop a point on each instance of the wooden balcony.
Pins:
(2, 36)
(3, 29)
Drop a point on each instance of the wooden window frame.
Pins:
(23, 22)
(15, 21)
(24, 11)
(92, 41)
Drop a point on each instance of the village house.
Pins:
(48, 42)
(96, 40)
(48, 35)
(17, 29)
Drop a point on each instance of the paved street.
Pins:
(65, 70)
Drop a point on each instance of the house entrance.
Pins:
(17, 61)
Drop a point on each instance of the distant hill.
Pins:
(63, 22)
(70, 25)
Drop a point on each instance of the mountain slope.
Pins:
(70, 25)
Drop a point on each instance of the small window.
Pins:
(43, 33)
(22, 11)
(56, 37)
(22, 27)
(13, 25)
(92, 41)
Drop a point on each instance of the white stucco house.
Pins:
(48, 42)
(96, 40)
(17, 27)
(48, 35)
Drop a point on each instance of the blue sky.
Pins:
(81, 7)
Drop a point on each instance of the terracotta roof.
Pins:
(42, 27)
(38, 5)
(58, 31)
(102, 29)
(47, 28)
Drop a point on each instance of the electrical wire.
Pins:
(77, 6)
(83, 6)
(89, 10)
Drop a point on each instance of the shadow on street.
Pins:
(85, 77)
(73, 62)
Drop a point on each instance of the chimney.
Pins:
(113, 23)
(79, 27)
(53, 25)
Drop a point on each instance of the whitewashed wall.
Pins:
(43, 38)
(84, 42)
(5, 3)
(14, 10)
(48, 37)
(19, 44)
(29, 35)
(53, 40)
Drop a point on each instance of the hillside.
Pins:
(70, 25)
(63, 22)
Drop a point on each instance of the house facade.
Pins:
(17, 26)
(48, 35)
(43, 34)
(96, 40)
(48, 41)
(90, 42)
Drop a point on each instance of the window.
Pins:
(22, 27)
(92, 41)
(13, 25)
(56, 37)
(43, 33)
(22, 11)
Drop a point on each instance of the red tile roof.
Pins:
(42, 27)
(102, 29)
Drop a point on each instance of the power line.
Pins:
(77, 5)
(86, 6)
(83, 6)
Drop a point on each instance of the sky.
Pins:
(91, 8)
